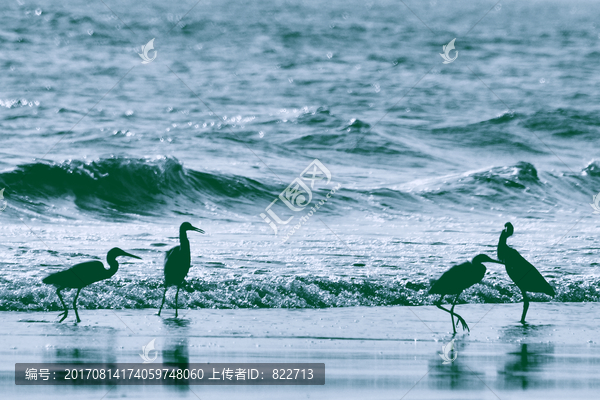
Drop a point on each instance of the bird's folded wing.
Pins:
(526, 276)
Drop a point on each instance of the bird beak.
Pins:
(131, 255)
(494, 261)
(198, 229)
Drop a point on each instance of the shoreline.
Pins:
(392, 350)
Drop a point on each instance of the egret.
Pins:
(456, 280)
(523, 274)
(178, 262)
(84, 274)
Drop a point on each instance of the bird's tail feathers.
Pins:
(550, 291)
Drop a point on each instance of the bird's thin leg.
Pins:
(66, 312)
(462, 321)
(75, 305)
(439, 305)
(525, 306)
(163, 300)
(176, 296)
(452, 310)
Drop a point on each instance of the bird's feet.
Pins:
(463, 323)
(64, 314)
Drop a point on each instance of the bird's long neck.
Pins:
(114, 266)
(183, 240)
(502, 246)
(502, 241)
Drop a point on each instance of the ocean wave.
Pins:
(274, 292)
(519, 185)
(513, 132)
(564, 123)
(114, 186)
(122, 188)
(592, 169)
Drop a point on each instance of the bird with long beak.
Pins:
(84, 274)
(523, 274)
(178, 261)
(456, 280)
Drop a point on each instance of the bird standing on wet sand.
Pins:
(178, 262)
(456, 280)
(84, 274)
(523, 274)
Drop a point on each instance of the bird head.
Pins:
(481, 258)
(117, 252)
(186, 226)
(508, 229)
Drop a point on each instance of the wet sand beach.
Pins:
(369, 352)
(339, 158)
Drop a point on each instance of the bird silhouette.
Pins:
(84, 274)
(456, 280)
(178, 262)
(523, 274)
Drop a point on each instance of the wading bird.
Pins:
(523, 274)
(82, 275)
(178, 262)
(456, 280)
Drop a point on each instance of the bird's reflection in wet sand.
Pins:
(526, 361)
(524, 331)
(72, 351)
(176, 323)
(524, 365)
(175, 352)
